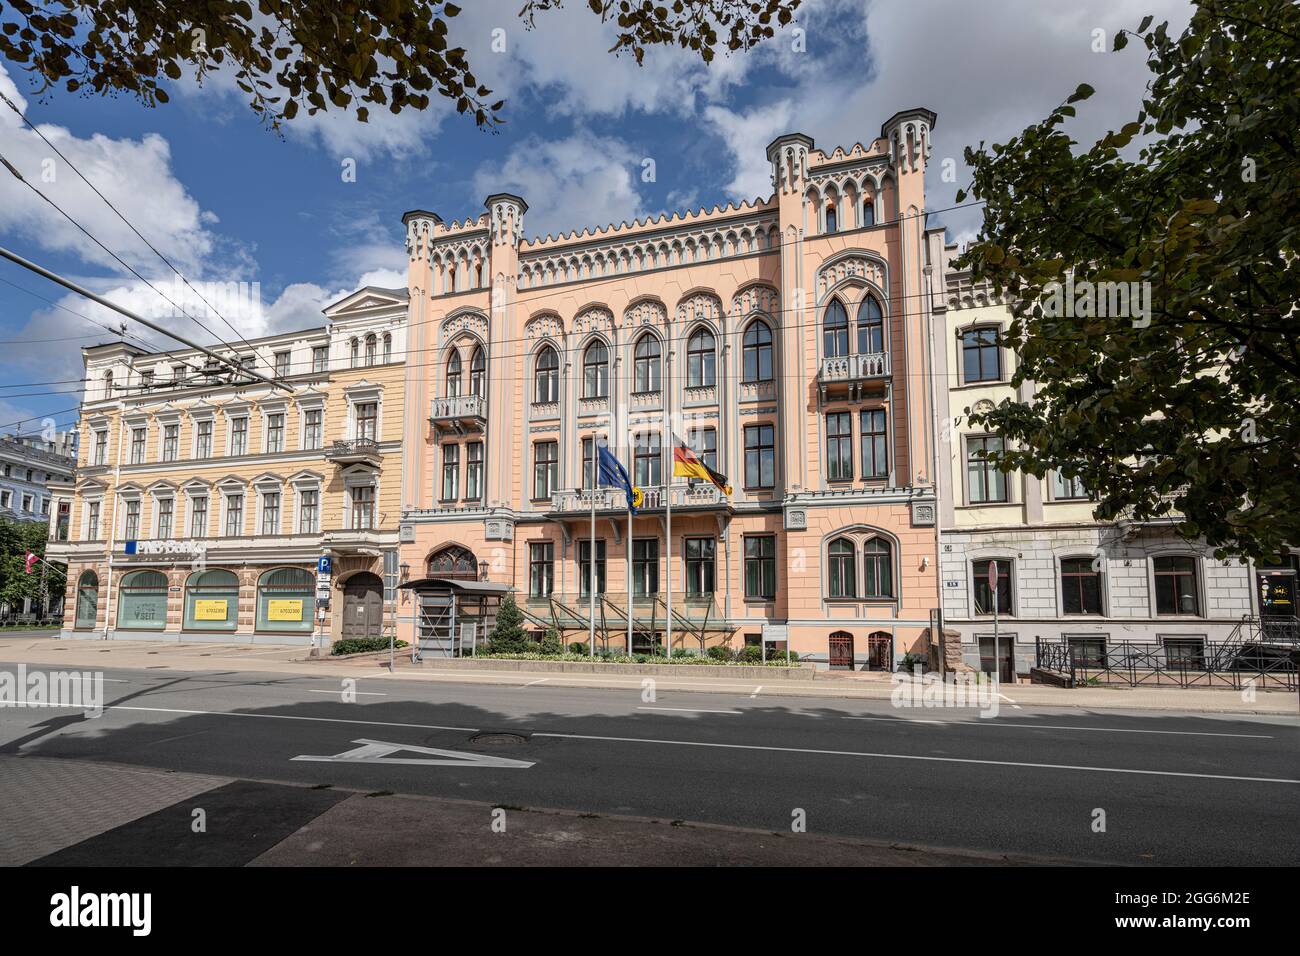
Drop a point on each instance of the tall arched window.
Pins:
(832, 219)
(841, 569)
(451, 276)
(388, 348)
(595, 371)
(757, 352)
(108, 384)
(835, 330)
(701, 359)
(87, 599)
(285, 597)
(212, 601)
(372, 349)
(478, 372)
(142, 601)
(645, 364)
(547, 376)
(878, 568)
(871, 326)
(453, 375)
(355, 351)
(869, 211)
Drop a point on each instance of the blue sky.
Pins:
(226, 200)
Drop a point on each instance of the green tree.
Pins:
(289, 55)
(16, 539)
(508, 635)
(1192, 414)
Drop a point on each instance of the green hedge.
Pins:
(605, 658)
(360, 645)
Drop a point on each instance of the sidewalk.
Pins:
(294, 660)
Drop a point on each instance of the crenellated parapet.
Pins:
(788, 155)
(908, 135)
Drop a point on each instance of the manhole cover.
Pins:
(498, 740)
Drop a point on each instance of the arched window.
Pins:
(212, 601)
(453, 562)
(108, 384)
(354, 347)
(841, 569)
(832, 219)
(451, 276)
(388, 348)
(546, 379)
(701, 359)
(87, 599)
(645, 364)
(835, 330)
(478, 372)
(878, 568)
(142, 600)
(757, 352)
(869, 211)
(285, 597)
(871, 326)
(453, 375)
(372, 347)
(595, 371)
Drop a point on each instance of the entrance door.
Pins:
(363, 606)
(841, 647)
(880, 652)
(1006, 672)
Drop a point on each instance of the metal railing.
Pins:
(344, 448)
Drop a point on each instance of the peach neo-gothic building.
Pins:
(785, 338)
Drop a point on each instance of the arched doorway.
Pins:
(363, 606)
(212, 601)
(880, 651)
(841, 650)
(142, 600)
(284, 601)
(453, 562)
(87, 600)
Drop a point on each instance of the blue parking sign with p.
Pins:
(324, 565)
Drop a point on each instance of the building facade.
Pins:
(28, 465)
(1061, 576)
(785, 340)
(204, 499)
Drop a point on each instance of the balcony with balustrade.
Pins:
(354, 451)
(460, 414)
(852, 374)
(699, 498)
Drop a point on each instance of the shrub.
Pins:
(551, 643)
(577, 647)
(360, 645)
(720, 652)
(508, 635)
(683, 652)
(750, 654)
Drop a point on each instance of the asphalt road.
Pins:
(1175, 789)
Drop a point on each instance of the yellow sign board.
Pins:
(284, 610)
(210, 610)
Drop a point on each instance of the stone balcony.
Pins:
(700, 497)
(459, 413)
(852, 373)
(354, 451)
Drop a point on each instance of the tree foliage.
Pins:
(1192, 417)
(291, 55)
(16, 539)
(508, 635)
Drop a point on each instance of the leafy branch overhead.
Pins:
(289, 56)
(1188, 413)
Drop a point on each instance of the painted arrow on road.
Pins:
(376, 751)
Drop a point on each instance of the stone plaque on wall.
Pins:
(796, 519)
(498, 529)
(923, 514)
(406, 533)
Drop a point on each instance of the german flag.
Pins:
(687, 464)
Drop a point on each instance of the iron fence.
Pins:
(1235, 664)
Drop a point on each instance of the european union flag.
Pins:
(611, 473)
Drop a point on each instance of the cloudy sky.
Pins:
(227, 201)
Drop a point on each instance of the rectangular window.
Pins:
(171, 442)
(1080, 586)
(839, 446)
(203, 439)
(137, 446)
(1177, 591)
(760, 567)
(92, 521)
(1065, 488)
(1184, 652)
(281, 364)
(589, 462)
(648, 461)
(645, 567)
(146, 379)
(546, 469)
(705, 443)
(875, 444)
(165, 509)
(450, 472)
(132, 530)
(271, 512)
(274, 433)
(1088, 651)
(308, 522)
(101, 448)
(584, 567)
(312, 431)
(199, 517)
(474, 471)
(367, 420)
(5, 498)
(541, 568)
(985, 484)
(760, 456)
(984, 595)
(320, 358)
(27, 502)
(363, 507)
(234, 516)
(239, 436)
(981, 356)
(701, 566)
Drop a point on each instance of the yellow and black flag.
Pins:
(687, 464)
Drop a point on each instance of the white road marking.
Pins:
(228, 713)
(339, 693)
(994, 722)
(882, 756)
(376, 751)
(1010, 701)
(540, 680)
(756, 690)
(691, 710)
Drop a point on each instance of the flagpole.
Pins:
(629, 579)
(668, 488)
(591, 555)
